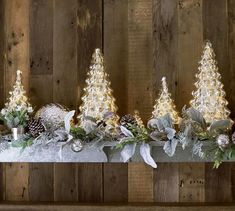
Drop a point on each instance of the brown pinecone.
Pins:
(35, 127)
(128, 120)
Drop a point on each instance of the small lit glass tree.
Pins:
(165, 105)
(209, 97)
(97, 99)
(138, 119)
(17, 109)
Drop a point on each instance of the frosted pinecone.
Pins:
(35, 127)
(128, 120)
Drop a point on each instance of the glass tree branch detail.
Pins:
(209, 97)
(164, 104)
(97, 99)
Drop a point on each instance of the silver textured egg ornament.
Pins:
(77, 145)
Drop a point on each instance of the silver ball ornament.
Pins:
(233, 138)
(222, 141)
(77, 146)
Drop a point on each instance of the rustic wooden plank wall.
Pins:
(51, 41)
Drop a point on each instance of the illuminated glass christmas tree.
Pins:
(209, 97)
(165, 105)
(97, 99)
(17, 109)
(138, 119)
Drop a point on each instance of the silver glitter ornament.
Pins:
(233, 138)
(77, 146)
(222, 141)
(52, 116)
(4, 145)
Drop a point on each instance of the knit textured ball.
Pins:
(52, 116)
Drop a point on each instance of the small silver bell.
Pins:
(77, 146)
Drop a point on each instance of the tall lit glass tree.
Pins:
(165, 105)
(97, 98)
(209, 97)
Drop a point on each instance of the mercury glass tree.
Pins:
(165, 105)
(209, 97)
(97, 98)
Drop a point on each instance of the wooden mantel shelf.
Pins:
(91, 154)
(116, 207)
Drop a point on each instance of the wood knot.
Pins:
(181, 183)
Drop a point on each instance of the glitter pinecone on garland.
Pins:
(35, 127)
(128, 120)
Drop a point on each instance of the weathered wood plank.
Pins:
(140, 183)
(16, 185)
(2, 186)
(41, 182)
(190, 41)
(233, 181)
(218, 183)
(192, 184)
(41, 52)
(231, 52)
(166, 182)
(116, 49)
(119, 207)
(41, 87)
(2, 52)
(17, 42)
(65, 84)
(115, 182)
(90, 182)
(16, 21)
(140, 65)
(41, 37)
(41, 90)
(65, 182)
(217, 33)
(65, 53)
(89, 29)
(165, 44)
(2, 67)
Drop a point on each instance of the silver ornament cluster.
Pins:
(52, 116)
